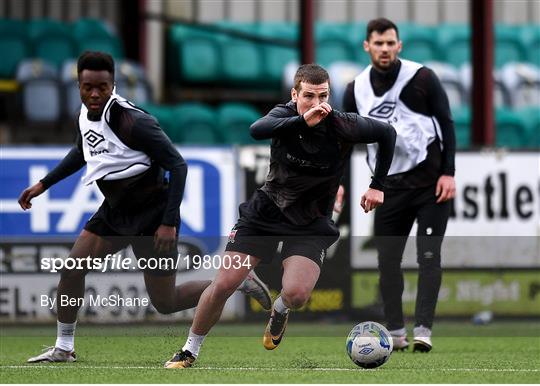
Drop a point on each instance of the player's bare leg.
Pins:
(72, 285)
(167, 297)
(300, 274)
(209, 309)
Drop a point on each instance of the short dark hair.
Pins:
(380, 25)
(95, 61)
(310, 73)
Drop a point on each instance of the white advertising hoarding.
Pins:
(208, 212)
(495, 221)
(109, 298)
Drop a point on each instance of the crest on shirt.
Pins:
(93, 139)
(384, 110)
(232, 236)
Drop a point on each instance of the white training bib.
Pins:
(105, 154)
(415, 132)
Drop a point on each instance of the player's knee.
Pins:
(429, 260)
(223, 288)
(296, 297)
(164, 307)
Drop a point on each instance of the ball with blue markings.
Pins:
(369, 345)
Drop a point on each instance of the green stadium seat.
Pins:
(454, 42)
(462, 123)
(333, 43)
(419, 42)
(166, 116)
(195, 124)
(231, 25)
(87, 26)
(234, 120)
(248, 62)
(530, 38)
(51, 41)
(38, 27)
(13, 45)
(510, 129)
(275, 57)
(508, 45)
(241, 61)
(111, 46)
(531, 117)
(357, 35)
(274, 61)
(195, 55)
(15, 26)
(281, 30)
(95, 35)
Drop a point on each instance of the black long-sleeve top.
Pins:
(139, 131)
(424, 95)
(307, 163)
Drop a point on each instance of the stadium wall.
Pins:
(491, 254)
(49, 229)
(417, 11)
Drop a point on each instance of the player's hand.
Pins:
(338, 204)
(165, 238)
(29, 193)
(446, 188)
(316, 114)
(371, 199)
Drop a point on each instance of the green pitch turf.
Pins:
(310, 353)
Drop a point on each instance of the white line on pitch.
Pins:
(254, 368)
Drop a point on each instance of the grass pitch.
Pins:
(310, 353)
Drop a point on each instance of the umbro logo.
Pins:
(93, 138)
(384, 110)
(366, 351)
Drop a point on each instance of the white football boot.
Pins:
(422, 339)
(399, 338)
(54, 354)
(254, 287)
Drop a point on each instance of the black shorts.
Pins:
(136, 226)
(262, 227)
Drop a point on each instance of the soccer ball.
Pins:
(369, 345)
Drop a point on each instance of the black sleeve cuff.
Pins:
(171, 218)
(168, 222)
(448, 172)
(46, 182)
(376, 184)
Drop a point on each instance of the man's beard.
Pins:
(385, 67)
